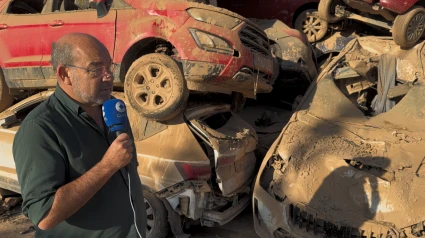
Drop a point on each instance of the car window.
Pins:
(25, 6)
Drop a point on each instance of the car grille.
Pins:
(255, 40)
(309, 222)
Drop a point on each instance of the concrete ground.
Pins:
(15, 225)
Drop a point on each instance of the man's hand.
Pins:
(119, 153)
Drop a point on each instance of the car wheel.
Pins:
(409, 27)
(327, 10)
(6, 99)
(156, 216)
(155, 87)
(312, 25)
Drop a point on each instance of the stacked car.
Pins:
(196, 156)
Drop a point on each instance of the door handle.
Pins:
(56, 23)
(3, 26)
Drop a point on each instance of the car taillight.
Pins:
(194, 171)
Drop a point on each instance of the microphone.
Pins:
(115, 116)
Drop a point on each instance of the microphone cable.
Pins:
(131, 203)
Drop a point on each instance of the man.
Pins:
(73, 180)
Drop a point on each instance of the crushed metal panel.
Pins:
(329, 102)
(177, 145)
(345, 72)
(368, 165)
(233, 146)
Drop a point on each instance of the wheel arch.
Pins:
(310, 5)
(139, 48)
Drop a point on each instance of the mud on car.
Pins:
(404, 19)
(350, 162)
(199, 166)
(161, 50)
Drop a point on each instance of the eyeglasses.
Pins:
(101, 71)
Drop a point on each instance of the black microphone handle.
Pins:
(117, 133)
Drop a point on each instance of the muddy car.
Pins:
(199, 166)
(162, 50)
(350, 162)
(404, 19)
(293, 55)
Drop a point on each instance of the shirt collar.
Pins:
(67, 101)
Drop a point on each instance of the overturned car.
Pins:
(199, 166)
(350, 162)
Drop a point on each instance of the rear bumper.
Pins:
(224, 217)
(195, 200)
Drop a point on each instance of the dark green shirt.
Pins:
(56, 144)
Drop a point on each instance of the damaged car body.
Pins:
(350, 162)
(196, 47)
(199, 166)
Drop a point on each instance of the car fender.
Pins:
(142, 27)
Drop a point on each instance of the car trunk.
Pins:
(229, 143)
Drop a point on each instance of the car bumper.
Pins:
(202, 76)
(199, 199)
(227, 215)
(277, 219)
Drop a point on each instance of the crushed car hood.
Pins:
(349, 173)
(349, 166)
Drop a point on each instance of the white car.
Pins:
(199, 166)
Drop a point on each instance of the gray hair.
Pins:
(62, 54)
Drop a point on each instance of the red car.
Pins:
(300, 14)
(170, 45)
(405, 19)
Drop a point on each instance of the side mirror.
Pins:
(100, 7)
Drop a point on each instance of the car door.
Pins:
(21, 42)
(77, 19)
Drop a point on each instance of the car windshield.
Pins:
(369, 85)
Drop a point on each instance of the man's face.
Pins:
(93, 86)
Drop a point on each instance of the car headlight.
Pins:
(214, 18)
(210, 42)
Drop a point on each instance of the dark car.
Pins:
(301, 14)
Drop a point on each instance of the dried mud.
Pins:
(354, 168)
(14, 224)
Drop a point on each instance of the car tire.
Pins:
(6, 99)
(326, 10)
(409, 27)
(156, 216)
(155, 87)
(311, 25)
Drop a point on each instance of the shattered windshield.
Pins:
(374, 83)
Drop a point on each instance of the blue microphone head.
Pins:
(115, 114)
